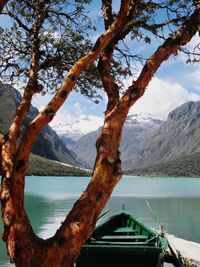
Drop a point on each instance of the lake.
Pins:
(175, 202)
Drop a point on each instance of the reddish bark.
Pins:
(24, 247)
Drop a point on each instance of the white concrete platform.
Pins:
(188, 249)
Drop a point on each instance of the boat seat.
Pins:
(125, 231)
(128, 238)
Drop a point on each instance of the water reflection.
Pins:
(46, 214)
(175, 202)
(180, 216)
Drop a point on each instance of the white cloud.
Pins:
(61, 118)
(161, 97)
(191, 46)
(194, 78)
(194, 41)
(87, 123)
(78, 109)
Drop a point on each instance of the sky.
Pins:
(174, 83)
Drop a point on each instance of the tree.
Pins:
(135, 18)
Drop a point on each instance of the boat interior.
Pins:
(123, 228)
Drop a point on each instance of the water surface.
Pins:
(175, 201)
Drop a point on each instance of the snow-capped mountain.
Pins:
(137, 129)
(142, 119)
(77, 128)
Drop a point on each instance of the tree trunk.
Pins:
(24, 247)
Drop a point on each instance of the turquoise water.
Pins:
(175, 201)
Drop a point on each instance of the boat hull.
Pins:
(105, 259)
(123, 241)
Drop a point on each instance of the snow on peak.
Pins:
(76, 128)
(140, 118)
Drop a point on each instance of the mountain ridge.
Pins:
(48, 144)
(136, 128)
(146, 142)
(178, 136)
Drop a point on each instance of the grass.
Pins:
(45, 167)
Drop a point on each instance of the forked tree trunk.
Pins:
(24, 247)
(64, 247)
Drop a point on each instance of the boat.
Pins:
(122, 240)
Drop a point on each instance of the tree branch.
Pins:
(107, 13)
(20, 23)
(49, 112)
(104, 66)
(35, 41)
(16, 200)
(154, 27)
(196, 3)
(169, 47)
(109, 84)
(32, 86)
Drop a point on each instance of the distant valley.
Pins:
(149, 143)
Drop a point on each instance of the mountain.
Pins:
(85, 147)
(177, 137)
(147, 141)
(72, 131)
(137, 128)
(48, 143)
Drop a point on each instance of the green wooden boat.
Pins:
(122, 240)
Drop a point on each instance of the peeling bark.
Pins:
(24, 247)
(109, 84)
(32, 87)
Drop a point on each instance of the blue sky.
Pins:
(174, 83)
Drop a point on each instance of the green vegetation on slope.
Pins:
(45, 167)
(186, 166)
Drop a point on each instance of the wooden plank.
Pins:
(128, 238)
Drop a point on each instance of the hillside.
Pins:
(48, 144)
(45, 167)
(186, 166)
(177, 137)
